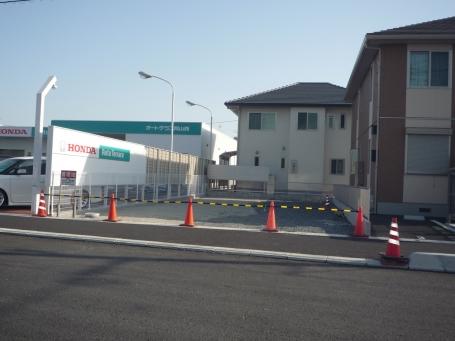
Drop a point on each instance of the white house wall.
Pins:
(311, 149)
(270, 145)
(337, 145)
(307, 148)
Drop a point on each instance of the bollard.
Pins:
(74, 205)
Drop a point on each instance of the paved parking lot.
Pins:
(288, 219)
(292, 220)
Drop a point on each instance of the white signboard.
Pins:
(97, 160)
(15, 131)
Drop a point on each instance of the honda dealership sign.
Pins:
(15, 131)
(7, 131)
(111, 153)
(97, 160)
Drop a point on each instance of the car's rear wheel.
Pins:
(3, 198)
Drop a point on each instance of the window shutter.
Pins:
(428, 154)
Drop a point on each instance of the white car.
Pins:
(16, 178)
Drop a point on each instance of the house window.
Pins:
(283, 162)
(331, 122)
(373, 155)
(374, 129)
(255, 120)
(307, 120)
(342, 121)
(256, 161)
(261, 121)
(428, 68)
(427, 154)
(337, 167)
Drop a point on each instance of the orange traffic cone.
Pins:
(42, 212)
(271, 223)
(359, 230)
(112, 217)
(393, 245)
(189, 220)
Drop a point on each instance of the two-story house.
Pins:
(300, 132)
(403, 115)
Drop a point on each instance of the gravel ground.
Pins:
(292, 220)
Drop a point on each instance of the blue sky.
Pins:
(212, 51)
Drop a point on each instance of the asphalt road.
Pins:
(65, 290)
(332, 246)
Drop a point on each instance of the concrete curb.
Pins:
(429, 264)
(199, 248)
(427, 261)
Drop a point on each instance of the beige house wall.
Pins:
(429, 108)
(425, 189)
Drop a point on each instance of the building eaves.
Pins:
(309, 94)
(438, 26)
(441, 30)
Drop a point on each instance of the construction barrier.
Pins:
(281, 205)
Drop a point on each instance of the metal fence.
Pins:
(168, 175)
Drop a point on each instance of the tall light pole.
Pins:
(38, 140)
(211, 125)
(144, 75)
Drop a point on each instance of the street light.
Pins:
(192, 104)
(145, 75)
(38, 140)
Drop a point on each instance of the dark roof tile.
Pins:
(440, 26)
(297, 94)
